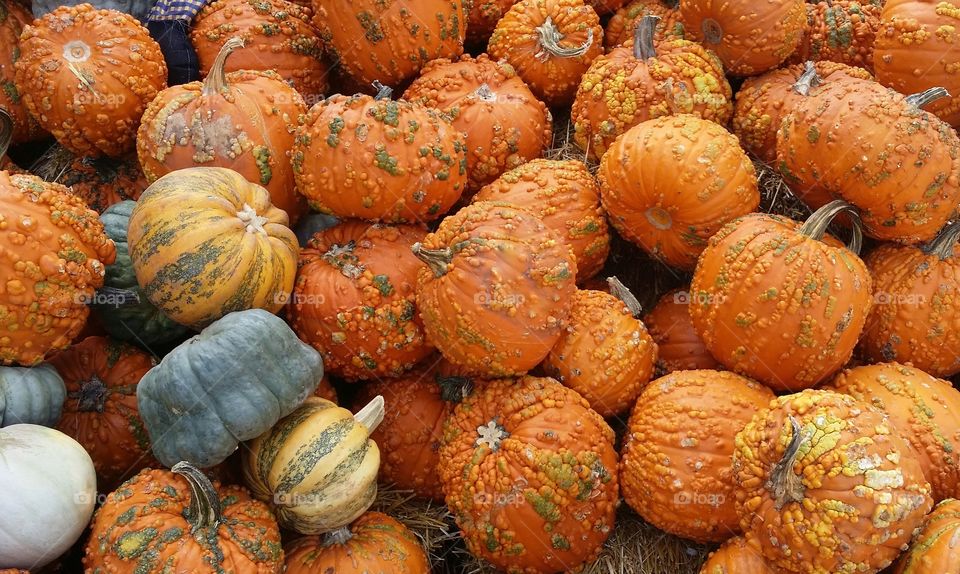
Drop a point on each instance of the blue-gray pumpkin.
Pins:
(31, 395)
(230, 383)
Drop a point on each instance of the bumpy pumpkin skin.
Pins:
(734, 556)
(567, 197)
(206, 242)
(551, 73)
(354, 300)
(530, 498)
(848, 499)
(689, 418)
(504, 124)
(498, 290)
(245, 121)
(621, 25)
(605, 353)
(390, 40)
(53, 254)
(482, 18)
(669, 184)
(903, 175)
(934, 548)
(916, 49)
(777, 305)
(763, 102)
(278, 36)
(13, 17)
(925, 410)
(375, 543)
(621, 90)
(749, 37)
(100, 412)
(382, 160)
(121, 67)
(841, 31)
(146, 525)
(679, 346)
(103, 182)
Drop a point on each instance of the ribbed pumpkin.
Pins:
(379, 159)
(679, 347)
(605, 353)
(102, 182)
(504, 124)
(530, 475)
(567, 197)
(52, 257)
(763, 101)
(372, 543)
(205, 242)
(317, 467)
(675, 471)
(482, 18)
(934, 549)
(13, 17)
(31, 395)
(841, 31)
(354, 299)
(277, 36)
(773, 300)
(638, 82)
(925, 410)
(244, 121)
(903, 176)
(750, 37)
(100, 411)
(181, 522)
(670, 183)
(498, 288)
(916, 49)
(550, 43)
(87, 75)
(390, 40)
(826, 484)
(621, 26)
(736, 556)
(917, 316)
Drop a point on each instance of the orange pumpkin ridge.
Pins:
(13, 18)
(841, 31)
(622, 25)
(736, 556)
(679, 347)
(934, 549)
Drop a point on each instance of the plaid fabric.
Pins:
(165, 10)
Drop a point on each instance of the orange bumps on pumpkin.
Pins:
(736, 556)
(482, 18)
(675, 470)
(622, 24)
(102, 181)
(841, 31)
(13, 18)
(87, 75)
(934, 549)
(679, 347)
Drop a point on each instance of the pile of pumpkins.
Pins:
(174, 307)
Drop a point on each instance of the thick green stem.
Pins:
(785, 484)
(337, 537)
(383, 92)
(216, 80)
(943, 244)
(643, 34)
(620, 291)
(927, 97)
(437, 259)
(549, 37)
(808, 80)
(204, 501)
(816, 225)
(371, 415)
(6, 132)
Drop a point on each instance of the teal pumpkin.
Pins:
(32, 395)
(230, 383)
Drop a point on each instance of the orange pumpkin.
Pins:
(750, 37)
(52, 255)
(529, 472)
(679, 347)
(736, 556)
(841, 31)
(638, 82)
(103, 181)
(353, 300)
(277, 36)
(372, 543)
(87, 75)
(934, 549)
(670, 183)
(621, 26)
(390, 40)
(605, 353)
(550, 43)
(498, 288)
(13, 17)
(244, 121)
(482, 18)
(503, 123)
(916, 318)
(825, 483)
(775, 301)
(379, 159)
(566, 196)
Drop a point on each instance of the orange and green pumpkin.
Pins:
(934, 549)
(841, 31)
(620, 28)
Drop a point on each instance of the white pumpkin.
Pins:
(48, 488)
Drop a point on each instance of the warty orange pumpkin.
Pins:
(13, 17)
(621, 26)
(736, 556)
(679, 346)
(102, 181)
(482, 18)
(934, 549)
(841, 31)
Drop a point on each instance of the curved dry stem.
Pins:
(205, 509)
(437, 259)
(643, 34)
(549, 37)
(620, 291)
(942, 245)
(337, 537)
(816, 225)
(371, 415)
(787, 486)
(216, 80)
(383, 92)
(808, 80)
(927, 97)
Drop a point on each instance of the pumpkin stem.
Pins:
(337, 537)
(787, 486)
(216, 80)
(204, 511)
(549, 37)
(927, 97)
(436, 259)
(808, 80)
(371, 415)
(6, 132)
(485, 93)
(92, 395)
(816, 225)
(942, 245)
(620, 291)
(383, 92)
(455, 389)
(253, 222)
(643, 33)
